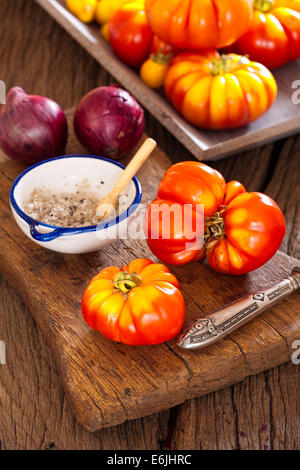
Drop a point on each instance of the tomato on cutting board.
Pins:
(138, 304)
(274, 34)
(184, 183)
(130, 34)
(214, 91)
(251, 229)
(242, 230)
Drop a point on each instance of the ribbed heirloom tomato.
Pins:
(198, 24)
(190, 183)
(274, 34)
(219, 92)
(245, 234)
(242, 230)
(139, 304)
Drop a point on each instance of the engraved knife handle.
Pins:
(218, 324)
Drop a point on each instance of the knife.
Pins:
(218, 324)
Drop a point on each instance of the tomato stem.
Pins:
(264, 5)
(215, 226)
(226, 63)
(161, 58)
(124, 281)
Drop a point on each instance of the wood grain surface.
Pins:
(282, 120)
(108, 383)
(262, 412)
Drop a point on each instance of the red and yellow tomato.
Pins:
(252, 228)
(173, 236)
(194, 24)
(138, 304)
(274, 34)
(154, 70)
(242, 230)
(216, 91)
(130, 34)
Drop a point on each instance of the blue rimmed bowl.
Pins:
(64, 174)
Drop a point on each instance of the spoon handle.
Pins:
(216, 325)
(133, 166)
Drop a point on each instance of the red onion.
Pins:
(109, 122)
(32, 128)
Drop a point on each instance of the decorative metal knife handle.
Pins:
(210, 329)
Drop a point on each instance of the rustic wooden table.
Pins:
(261, 412)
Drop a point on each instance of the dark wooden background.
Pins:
(262, 412)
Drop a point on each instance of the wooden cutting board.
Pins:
(280, 121)
(108, 383)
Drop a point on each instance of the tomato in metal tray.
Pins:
(130, 34)
(214, 91)
(198, 24)
(274, 34)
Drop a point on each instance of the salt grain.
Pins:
(65, 209)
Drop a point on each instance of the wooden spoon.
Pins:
(107, 204)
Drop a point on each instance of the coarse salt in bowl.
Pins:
(64, 175)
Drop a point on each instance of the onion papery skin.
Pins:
(32, 128)
(109, 122)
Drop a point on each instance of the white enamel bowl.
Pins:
(62, 174)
